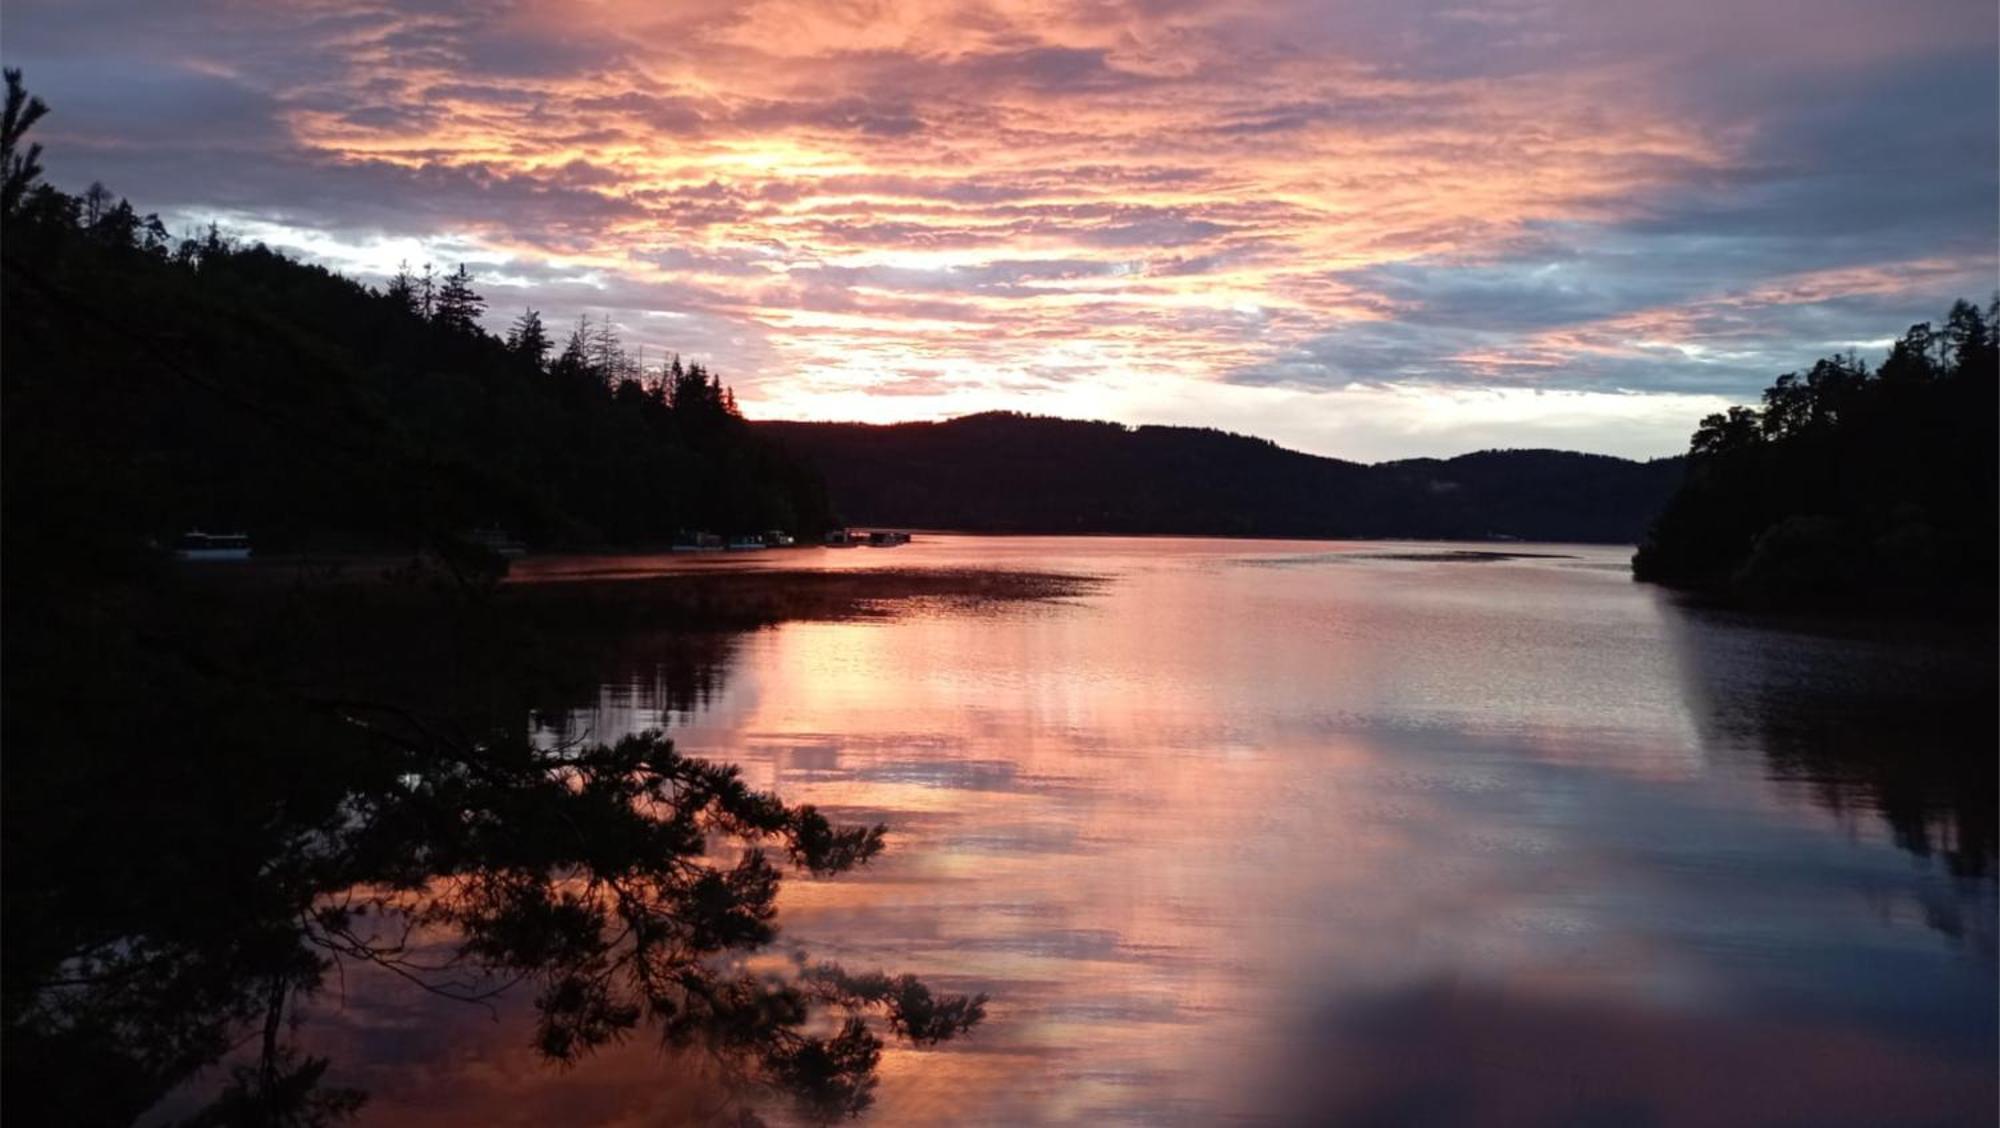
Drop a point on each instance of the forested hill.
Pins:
(1002, 472)
(154, 386)
(1851, 489)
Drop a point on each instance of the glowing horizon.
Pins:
(1366, 230)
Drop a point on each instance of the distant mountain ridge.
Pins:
(1006, 472)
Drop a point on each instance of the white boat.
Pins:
(197, 545)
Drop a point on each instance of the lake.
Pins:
(1299, 832)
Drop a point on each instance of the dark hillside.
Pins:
(1001, 472)
(1536, 495)
(152, 388)
(1013, 473)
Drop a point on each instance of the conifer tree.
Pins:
(403, 290)
(527, 337)
(18, 170)
(457, 306)
(214, 245)
(690, 387)
(574, 362)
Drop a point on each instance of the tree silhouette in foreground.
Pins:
(18, 170)
(203, 847)
(1849, 489)
(208, 808)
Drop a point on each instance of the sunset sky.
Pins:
(1368, 229)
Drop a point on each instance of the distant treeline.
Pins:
(1851, 488)
(1002, 472)
(154, 385)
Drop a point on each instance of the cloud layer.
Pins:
(1338, 225)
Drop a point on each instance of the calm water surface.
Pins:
(1332, 833)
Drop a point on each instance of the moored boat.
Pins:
(197, 545)
(497, 541)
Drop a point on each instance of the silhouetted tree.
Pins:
(1725, 432)
(1968, 335)
(607, 353)
(1912, 361)
(18, 170)
(1851, 489)
(574, 361)
(194, 840)
(402, 290)
(527, 338)
(427, 293)
(696, 394)
(478, 440)
(153, 236)
(457, 307)
(96, 199)
(120, 225)
(213, 246)
(624, 885)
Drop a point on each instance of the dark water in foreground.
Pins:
(1297, 832)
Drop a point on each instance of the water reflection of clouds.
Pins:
(1447, 1053)
(428, 1063)
(1730, 905)
(1425, 845)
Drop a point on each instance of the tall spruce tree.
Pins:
(527, 337)
(458, 307)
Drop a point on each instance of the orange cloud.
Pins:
(978, 203)
(861, 177)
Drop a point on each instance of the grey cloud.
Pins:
(1155, 231)
(152, 105)
(1862, 167)
(391, 117)
(1743, 350)
(483, 92)
(664, 113)
(354, 197)
(890, 118)
(1049, 68)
